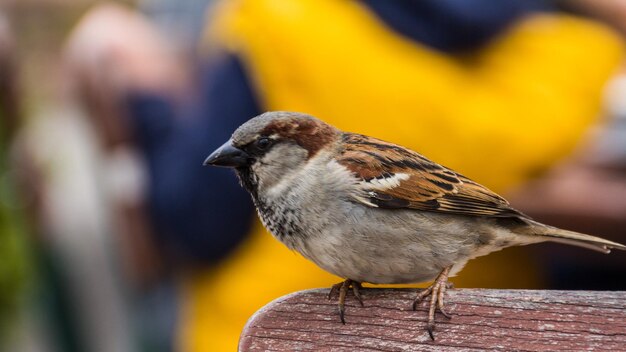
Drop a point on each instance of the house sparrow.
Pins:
(372, 211)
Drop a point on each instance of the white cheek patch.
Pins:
(385, 183)
(272, 156)
(279, 167)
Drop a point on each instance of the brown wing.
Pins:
(396, 177)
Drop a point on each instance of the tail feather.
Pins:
(554, 234)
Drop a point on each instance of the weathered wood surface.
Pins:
(506, 320)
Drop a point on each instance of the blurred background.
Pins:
(114, 238)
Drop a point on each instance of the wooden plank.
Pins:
(501, 320)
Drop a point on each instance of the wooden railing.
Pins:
(503, 320)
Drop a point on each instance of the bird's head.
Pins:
(272, 146)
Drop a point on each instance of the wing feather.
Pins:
(396, 177)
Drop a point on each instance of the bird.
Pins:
(371, 211)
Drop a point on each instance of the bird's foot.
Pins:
(343, 287)
(436, 292)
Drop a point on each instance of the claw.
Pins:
(356, 286)
(342, 298)
(420, 296)
(334, 289)
(436, 291)
(343, 287)
(342, 313)
(444, 313)
(430, 327)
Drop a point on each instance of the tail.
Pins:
(554, 234)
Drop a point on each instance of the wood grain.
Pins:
(501, 320)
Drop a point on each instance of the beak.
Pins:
(228, 156)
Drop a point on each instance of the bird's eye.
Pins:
(263, 143)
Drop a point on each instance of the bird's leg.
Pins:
(436, 291)
(343, 287)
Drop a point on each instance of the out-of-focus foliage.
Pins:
(14, 256)
(13, 253)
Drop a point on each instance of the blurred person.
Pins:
(150, 300)
(81, 281)
(81, 287)
(507, 86)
